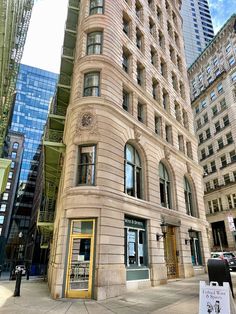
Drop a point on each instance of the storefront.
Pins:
(136, 251)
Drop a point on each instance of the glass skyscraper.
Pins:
(34, 90)
(197, 27)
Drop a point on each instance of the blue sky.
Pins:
(221, 10)
(45, 36)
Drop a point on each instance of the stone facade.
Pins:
(213, 92)
(143, 56)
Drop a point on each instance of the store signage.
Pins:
(134, 223)
(215, 299)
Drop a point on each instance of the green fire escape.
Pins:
(53, 146)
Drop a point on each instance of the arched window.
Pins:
(133, 172)
(188, 197)
(165, 188)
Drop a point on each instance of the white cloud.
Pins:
(45, 35)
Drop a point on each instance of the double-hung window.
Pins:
(96, 7)
(94, 43)
(86, 165)
(165, 186)
(91, 84)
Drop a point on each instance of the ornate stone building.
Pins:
(130, 209)
(213, 92)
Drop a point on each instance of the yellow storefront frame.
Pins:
(82, 294)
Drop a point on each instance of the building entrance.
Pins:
(171, 253)
(80, 259)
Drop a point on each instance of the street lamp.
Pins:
(164, 229)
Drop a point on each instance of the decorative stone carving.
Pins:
(87, 122)
(188, 167)
(166, 152)
(137, 133)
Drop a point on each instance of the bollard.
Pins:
(18, 283)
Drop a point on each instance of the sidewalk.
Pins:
(177, 297)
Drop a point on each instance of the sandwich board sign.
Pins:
(215, 299)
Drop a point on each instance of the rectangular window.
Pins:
(231, 60)
(126, 100)
(213, 166)
(214, 110)
(168, 130)
(232, 156)
(5, 196)
(220, 88)
(210, 150)
(91, 84)
(140, 74)
(226, 120)
(216, 183)
(217, 126)
(141, 112)
(208, 133)
(223, 161)
(220, 143)
(213, 95)
(200, 136)
(3, 207)
(205, 169)
(229, 138)
(94, 43)
(96, 7)
(86, 165)
(203, 153)
(205, 118)
(223, 104)
(125, 60)
(158, 125)
(126, 26)
(227, 178)
(1, 219)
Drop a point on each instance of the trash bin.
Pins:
(218, 270)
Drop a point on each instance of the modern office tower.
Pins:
(129, 212)
(14, 22)
(34, 90)
(197, 28)
(14, 146)
(213, 92)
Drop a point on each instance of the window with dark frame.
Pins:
(86, 165)
(165, 186)
(188, 197)
(91, 84)
(133, 172)
(126, 100)
(94, 43)
(96, 7)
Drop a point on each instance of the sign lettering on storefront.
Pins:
(134, 223)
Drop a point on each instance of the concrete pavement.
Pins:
(177, 297)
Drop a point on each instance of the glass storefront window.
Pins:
(135, 243)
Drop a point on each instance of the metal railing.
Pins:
(53, 136)
(46, 216)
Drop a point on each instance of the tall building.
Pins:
(34, 90)
(129, 212)
(14, 146)
(213, 92)
(197, 27)
(14, 22)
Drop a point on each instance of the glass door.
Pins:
(80, 259)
